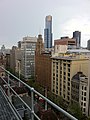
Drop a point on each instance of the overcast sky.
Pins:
(19, 18)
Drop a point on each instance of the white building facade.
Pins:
(28, 46)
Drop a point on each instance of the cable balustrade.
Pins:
(33, 92)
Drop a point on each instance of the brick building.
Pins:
(42, 64)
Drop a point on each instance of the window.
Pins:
(56, 63)
(56, 71)
(84, 104)
(81, 103)
(57, 75)
(84, 109)
(68, 79)
(68, 70)
(64, 78)
(82, 87)
(84, 98)
(53, 90)
(53, 82)
(56, 87)
(68, 93)
(84, 93)
(64, 86)
(56, 92)
(60, 80)
(68, 83)
(61, 68)
(60, 76)
(57, 79)
(57, 83)
(85, 88)
(68, 65)
(68, 74)
(68, 97)
(57, 67)
(68, 88)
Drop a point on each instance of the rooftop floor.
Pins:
(6, 111)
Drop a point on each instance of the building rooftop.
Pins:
(6, 111)
(69, 58)
(78, 51)
(78, 75)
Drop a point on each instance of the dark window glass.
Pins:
(84, 104)
(84, 93)
(85, 88)
(84, 98)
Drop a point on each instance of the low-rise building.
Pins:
(61, 45)
(80, 91)
(63, 69)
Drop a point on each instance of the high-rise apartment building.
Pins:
(48, 32)
(77, 36)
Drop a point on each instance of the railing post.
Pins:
(32, 104)
(8, 87)
(19, 73)
(46, 97)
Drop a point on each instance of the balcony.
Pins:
(9, 81)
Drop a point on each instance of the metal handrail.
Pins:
(17, 115)
(32, 99)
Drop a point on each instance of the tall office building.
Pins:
(77, 36)
(88, 44)
(28, 46)
(48, 32)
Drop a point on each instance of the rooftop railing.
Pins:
(33, 92)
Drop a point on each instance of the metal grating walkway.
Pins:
(6, 113)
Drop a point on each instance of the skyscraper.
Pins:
(88, 44)
(48, 32)
(77, 36)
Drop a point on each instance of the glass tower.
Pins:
(48, 32)
(77, 36)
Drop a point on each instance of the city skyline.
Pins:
(26, 18)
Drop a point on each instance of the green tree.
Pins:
(75, 110)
